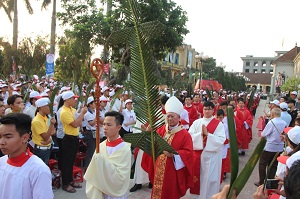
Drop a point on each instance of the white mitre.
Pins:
(173, 105)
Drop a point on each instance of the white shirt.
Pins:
(33, 180)
(117, 105)
(129, 116)
(184, 115)
(272, 134)
(30, 111)
(60, 128)
(286, 117)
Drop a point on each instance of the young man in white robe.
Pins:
(208, 136)
(108, 174)
(22, 174)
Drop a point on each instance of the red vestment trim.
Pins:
(114, 143)
(211, 127)
(20, 159)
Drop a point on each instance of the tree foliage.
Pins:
(31, 55)
(291, 84)
(88, 22)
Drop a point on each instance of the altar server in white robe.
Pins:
(208, 136)
(108, 174)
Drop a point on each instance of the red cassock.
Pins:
(199, 107)
(193, 114)
(246, 134)
(167, 181)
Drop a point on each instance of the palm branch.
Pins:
(250, 102)
(52, 97)
(143, 79)
(88, 90)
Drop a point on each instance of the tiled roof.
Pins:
(289, 56)
(261, 78)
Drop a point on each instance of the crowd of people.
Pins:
(194, 124)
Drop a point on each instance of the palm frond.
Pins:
(250, 102)
(28, 7)
(88, 90)
(143, 80)
(234, 156)
(34, 87)
(52, 97)
(45, 3)
(243, 177)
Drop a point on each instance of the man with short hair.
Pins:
(70, 140)
(208, 136)
(108, 174)
(271, 133)
(22, 174)
(192, 112)
(292, 111)
(15, 102)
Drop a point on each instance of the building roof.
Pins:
(258, 78)
(289, 56)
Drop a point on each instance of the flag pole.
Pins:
(97, 69)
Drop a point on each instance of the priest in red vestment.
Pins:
(246, 128)
(172, 174)
(193, 113)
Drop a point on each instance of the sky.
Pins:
(224, 30)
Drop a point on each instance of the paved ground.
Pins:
(145, 192)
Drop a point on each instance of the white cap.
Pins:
(294, 134)
(42, 102)
(44, 94)
(283, 106)
(103, 99)
(64, 88)
(204, 93)
(128, 101)
(90, 99)
(111, 93)
(105, 88)
(35, 77)
(15, 93)
(33, 94)
(68, 94)
(173, 105)
(276, 102)
(125, 93)
(294, 93)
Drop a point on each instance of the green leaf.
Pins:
(250, 99)
(52, 97)
(243, 177)
(88, 90)
(234, 156)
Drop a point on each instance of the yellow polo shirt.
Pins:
(67, 116)
(39, 125)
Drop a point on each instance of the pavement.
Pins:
(145, 192)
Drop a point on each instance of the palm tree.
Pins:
(10, 6)
(53, 23)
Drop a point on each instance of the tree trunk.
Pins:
(15, 25)
(53, 28)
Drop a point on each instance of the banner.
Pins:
(50, 65)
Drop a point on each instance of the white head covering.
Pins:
(173, 105)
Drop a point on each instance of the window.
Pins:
(177, 58)
(263, 70)
(255, 63)
(264, 64)
(247, 63)
(246, 70)
(271, 71)
(255, 71)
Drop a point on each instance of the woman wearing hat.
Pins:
(129, 118)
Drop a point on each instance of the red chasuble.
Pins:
(211, 127)
(246, 134)
(167, 181)
(193, 114)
